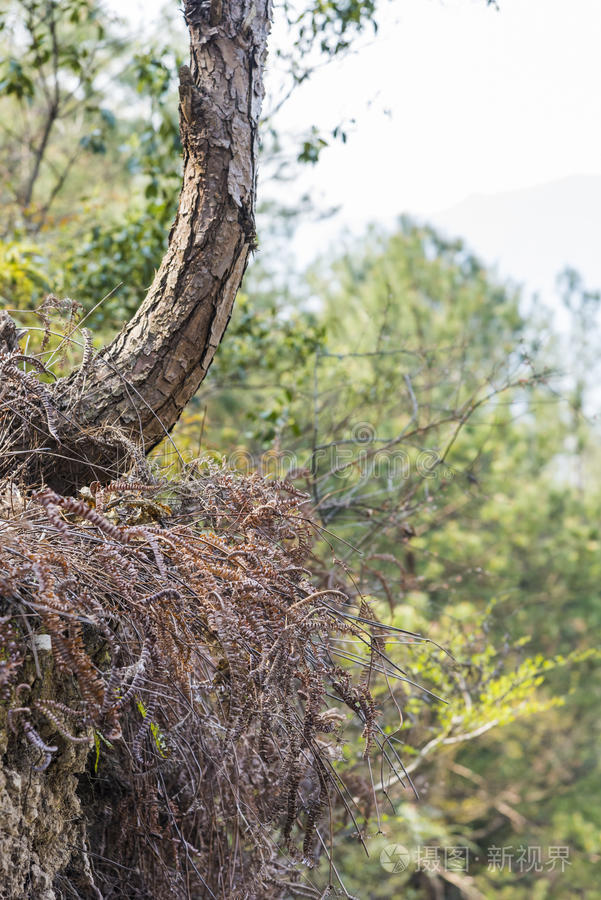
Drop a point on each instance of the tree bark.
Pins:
(144, 378)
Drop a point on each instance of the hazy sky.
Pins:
(481, 101)
(453, 99)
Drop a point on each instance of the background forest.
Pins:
(445, 433)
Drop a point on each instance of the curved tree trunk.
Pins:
(145, 377)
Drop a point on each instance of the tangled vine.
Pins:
(172, 627)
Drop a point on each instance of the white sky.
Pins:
(477, 101)
(481, 102)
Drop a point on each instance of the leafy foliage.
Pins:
(484, 537)
(418, 403)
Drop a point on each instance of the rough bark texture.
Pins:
(143, 380)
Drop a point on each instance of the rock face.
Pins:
(42, 829)
(39, 830)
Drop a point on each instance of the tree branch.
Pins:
(144, 378)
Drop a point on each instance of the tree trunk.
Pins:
(145, 377)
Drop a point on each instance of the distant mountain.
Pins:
(532, 234)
